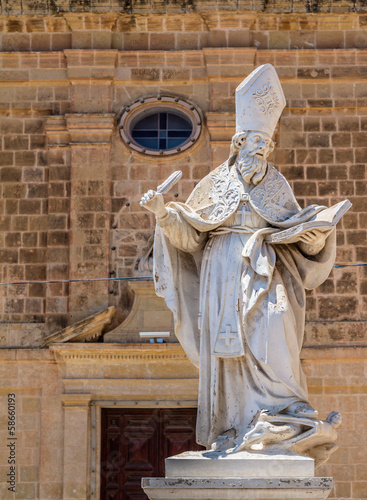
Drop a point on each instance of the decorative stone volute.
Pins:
(149, 314)
(86, 330)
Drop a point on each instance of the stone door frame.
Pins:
(96, 431)
(163, 377)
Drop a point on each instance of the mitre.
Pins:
(259, 101)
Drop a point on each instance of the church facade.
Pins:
(99, 102)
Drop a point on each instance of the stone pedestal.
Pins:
(241, 465)
(315, 488)
(251, 476)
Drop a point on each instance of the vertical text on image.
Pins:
(11, 444)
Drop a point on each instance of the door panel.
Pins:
(135, 443)
(178, 433)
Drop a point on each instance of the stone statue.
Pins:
(237, 298)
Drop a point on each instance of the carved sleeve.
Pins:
(180, 233)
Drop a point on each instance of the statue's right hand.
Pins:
(154, 202)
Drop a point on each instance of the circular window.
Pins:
(160, 125)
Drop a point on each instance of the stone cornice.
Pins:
(150, 353)
(117, 353)
(93, 19)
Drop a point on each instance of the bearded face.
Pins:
(252, 158)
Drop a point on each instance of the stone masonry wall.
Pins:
(32, 376)
(178, 31)
(48, 100)
(315, 149)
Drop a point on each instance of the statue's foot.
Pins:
(224, 441)
(300, 409)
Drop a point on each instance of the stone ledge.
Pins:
(109, 9)
(80, 352)
(76, 352)
(118, 352)
(316, 488)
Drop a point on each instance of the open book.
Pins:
(323, 221)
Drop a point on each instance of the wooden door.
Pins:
(135, 443)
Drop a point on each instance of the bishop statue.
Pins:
(233, 263)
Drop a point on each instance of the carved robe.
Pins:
(238, 301)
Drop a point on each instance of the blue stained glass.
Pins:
(161, 131)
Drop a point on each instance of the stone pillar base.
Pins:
(210, 475)
(315, 488)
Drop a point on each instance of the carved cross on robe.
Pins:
(228, 335)
(246, 210)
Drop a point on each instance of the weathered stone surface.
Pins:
(249, 489)
(319, 333)
(156, 6)
(87, 330)
(149, 313)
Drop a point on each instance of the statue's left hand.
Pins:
(313, 237)
(313, 241)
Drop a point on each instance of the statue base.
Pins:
(241, 465)
(244, 475)
(315, 488)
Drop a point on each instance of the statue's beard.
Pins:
(251, 168)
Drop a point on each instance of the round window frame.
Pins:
(146, 106)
